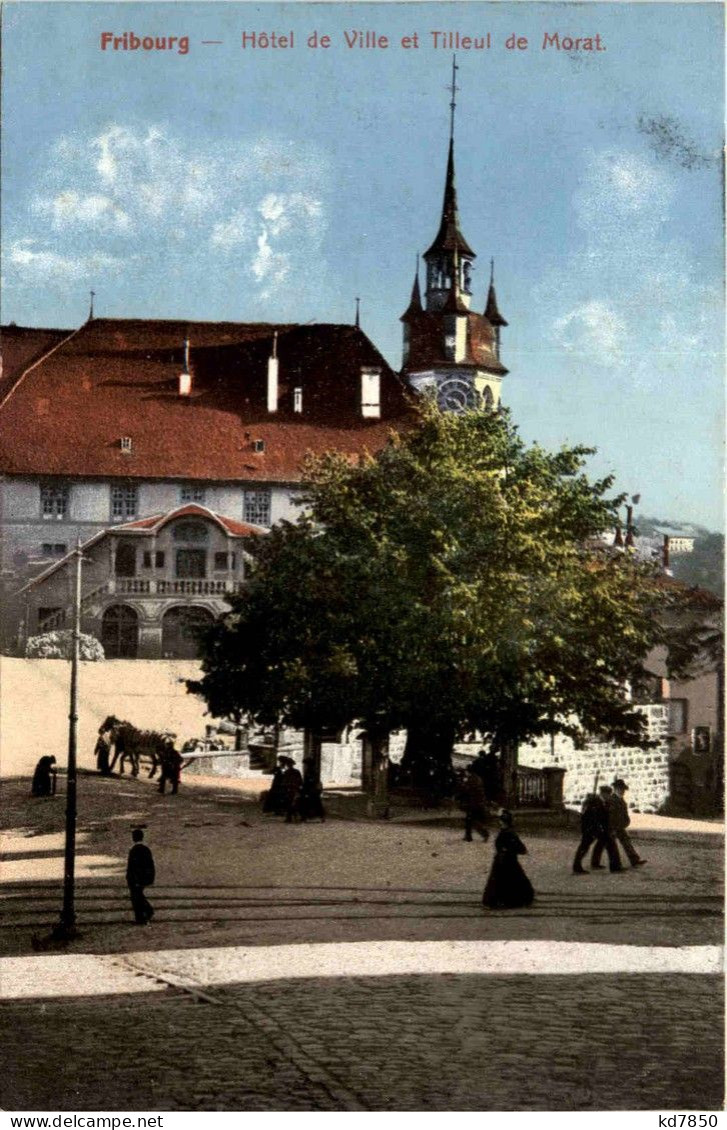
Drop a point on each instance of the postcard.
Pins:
(419, 836)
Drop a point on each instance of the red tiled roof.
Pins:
(20, 347)
(191, 510)
(117, 378)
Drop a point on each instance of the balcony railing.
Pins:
(141, 586)
(197, 588)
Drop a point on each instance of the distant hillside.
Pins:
(703, 567)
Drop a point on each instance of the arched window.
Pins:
(120, 632)
(181, 629)
(190, 531)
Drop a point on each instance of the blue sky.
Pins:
(279, 184)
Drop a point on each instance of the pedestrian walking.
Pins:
(487, 768)
(172, 765)
(103, 751)
(507, 884)
(140, 873)
(292, 784)
(618, 822)
(472, 799)
(594, 829)
(608, 842)
(311, 803)
(274, 799)
(42, 783)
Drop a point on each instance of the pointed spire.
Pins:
(415, 302)
(492, 313)
(449, 235)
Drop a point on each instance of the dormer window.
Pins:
(371, 393)
(258, 446)
(297, 399)
(125, 444)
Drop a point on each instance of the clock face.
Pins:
(455, 394)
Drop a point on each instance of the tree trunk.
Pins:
(312, 743)
(376, 774)
(509, 758)
(428, 759)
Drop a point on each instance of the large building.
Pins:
(121, 421)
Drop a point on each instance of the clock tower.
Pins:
(451, 350)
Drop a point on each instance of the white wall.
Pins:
(21, 499)
(90, 502)
(34, 705)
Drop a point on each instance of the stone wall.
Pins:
(646, 772)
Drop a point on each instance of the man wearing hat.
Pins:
(619, 820)
(140, 874)
(594, 828)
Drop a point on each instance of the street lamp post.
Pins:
(66, 928)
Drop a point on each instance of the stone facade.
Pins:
(647, 772)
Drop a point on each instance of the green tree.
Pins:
(455, 582)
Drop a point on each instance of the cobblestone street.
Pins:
(350, 966)
(396, 1043)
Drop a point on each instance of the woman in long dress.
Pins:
(42, 784)
(507, 885)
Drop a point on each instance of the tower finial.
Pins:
(90, 313)
(492, 272)
(453, 91)
(358, 313)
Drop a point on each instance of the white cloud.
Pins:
(631, 280)
(281, 211)
(37, 262)
(269, 267)
(70, 209)
(231, 233)
(593, 327)
(261, 200)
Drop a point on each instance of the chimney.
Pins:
(665, 556)
(273, 376)
(185, 378)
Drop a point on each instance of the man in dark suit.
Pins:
(594, 829)
(619, 820)
(140, 874)
(472, 800)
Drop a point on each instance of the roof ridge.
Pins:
(38, 362)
